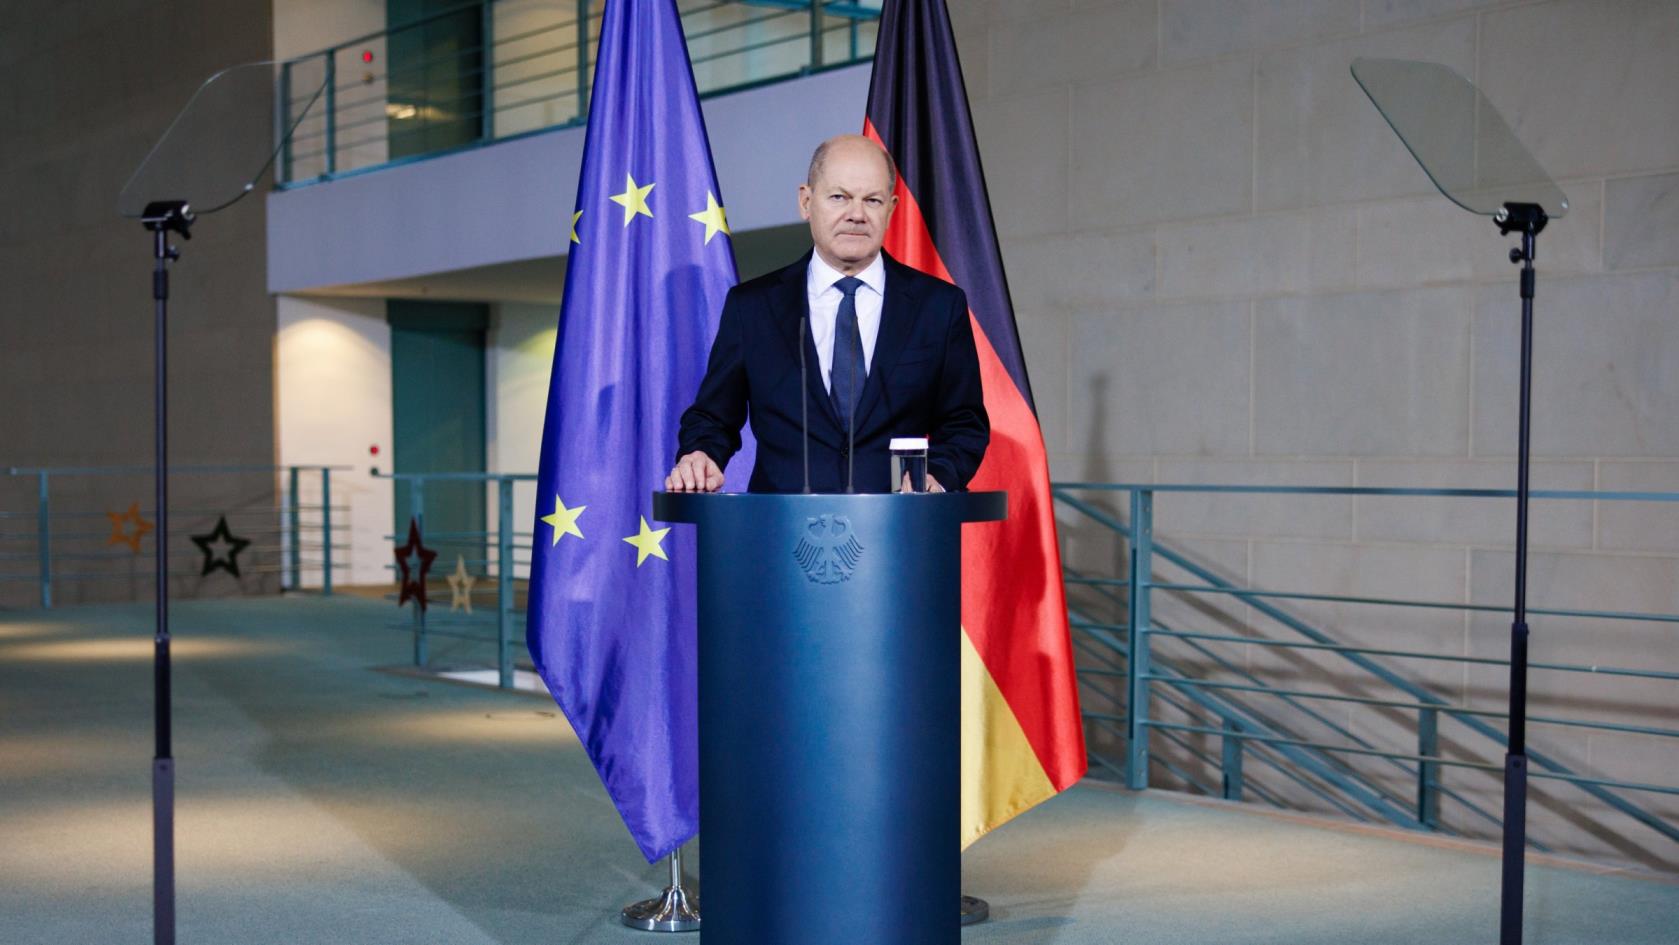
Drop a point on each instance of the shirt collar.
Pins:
(821, 276)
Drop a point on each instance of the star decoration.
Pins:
(225, 554)
(647, 543)
(713, 218)
(633, 200)
(564, 520)
(413, 560)
(119, 528)
(460, 587)
(574, 218)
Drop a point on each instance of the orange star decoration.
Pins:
(119, 528)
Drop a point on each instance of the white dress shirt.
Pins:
(824, 309)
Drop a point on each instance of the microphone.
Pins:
(804, 398)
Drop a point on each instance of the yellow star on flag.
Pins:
(574, 218)
(647, 543)
(713, 218)
(564, 520)
(633, 200)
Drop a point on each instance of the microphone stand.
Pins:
(162, 218)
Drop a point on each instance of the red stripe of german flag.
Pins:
(1022, 739)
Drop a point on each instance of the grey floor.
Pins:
(324, 801)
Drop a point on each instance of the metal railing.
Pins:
(504, 568)
(1233, 733)
(496, 69)
(1228, 718)
(50, 538)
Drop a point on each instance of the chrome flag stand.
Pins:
(674, 910)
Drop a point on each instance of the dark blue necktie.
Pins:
(846, 379)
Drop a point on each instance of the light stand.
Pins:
(1527, 219)
(162, 218)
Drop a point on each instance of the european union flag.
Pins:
(612, 599)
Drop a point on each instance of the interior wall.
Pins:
(520, 348)
(306, 26)
(85, 99)
(333, 376)
(1227, 269)
(536, 60)
(303, 28)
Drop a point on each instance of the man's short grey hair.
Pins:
(819, 158)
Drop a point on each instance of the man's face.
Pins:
(848, 206)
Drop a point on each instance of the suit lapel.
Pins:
(791, 304)
(897, 319)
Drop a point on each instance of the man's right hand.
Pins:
(695, 472)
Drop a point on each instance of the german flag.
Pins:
(1021, 737)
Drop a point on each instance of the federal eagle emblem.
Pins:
(828, 551)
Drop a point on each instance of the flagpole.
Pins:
(672, 911)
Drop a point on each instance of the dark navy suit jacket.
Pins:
(923, 381)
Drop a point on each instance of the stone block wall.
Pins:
(1227, 269)
(87, 90)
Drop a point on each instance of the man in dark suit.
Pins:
(889, 351)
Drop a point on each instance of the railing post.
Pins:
(282, 121)
(582, 59)
(504, 581)
(417, 511)
(326, 532)
(815, 35)
(1137, 636)
(43, 539)
(294, 522)
(1428, 772)
(1232, 759)
(331, 104)
(487, 71)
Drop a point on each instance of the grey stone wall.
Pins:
(87, 88)
(1226, 269)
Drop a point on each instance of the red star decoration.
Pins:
(414, 561)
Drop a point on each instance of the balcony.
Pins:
(501, 69)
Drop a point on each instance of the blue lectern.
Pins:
(830, 714)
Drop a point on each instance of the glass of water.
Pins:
(909, 457)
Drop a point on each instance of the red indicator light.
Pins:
(367, 55)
